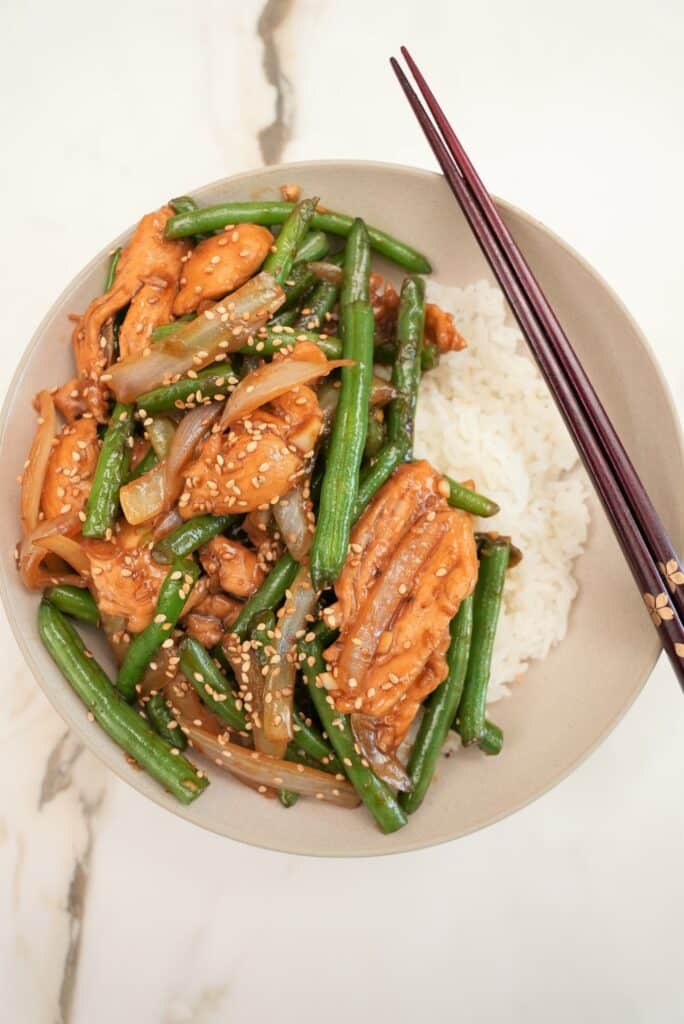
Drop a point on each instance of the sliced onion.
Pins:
(31, 557)
(325, 271)
(272, 380)
(36, 466)
(280, 678)
(291, 513)
(386, 766)
(165, 524)
(145, 497)
(156, 491)
(224, 327)
(160, 432)
(69, 550)
(263, 770)
(189, 433)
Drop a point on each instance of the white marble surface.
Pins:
(110, 909)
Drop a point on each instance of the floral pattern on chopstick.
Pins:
(672, 573)
(658, 608)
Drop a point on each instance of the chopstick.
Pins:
(638, 528)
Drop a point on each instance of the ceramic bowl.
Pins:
(567, 703)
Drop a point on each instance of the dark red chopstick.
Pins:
(654, 531)
(627, 520)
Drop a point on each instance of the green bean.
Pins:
(486, 605)
(74, 601)
(164, 330)
(111, 269)
(314, 315)
(429, 357)
(356, 267)
(111, 473)
(212, 218)
(211, 381)
(173, 594)
(120, 721)
(163, 722)
(376, 795)
(340, 486)
(200, 669)
(286, 318)
(279, 261)
(269, 595)
(308, 740)
(440, 710)
(491, 740)
(300, 281)
(270, 340)
(406, 369)
(148, 461)
(186, 204)
(386, 353)
(190, 536)
(314, 247)
(373, 478)
(470, 501)
(375, 434)
(286, 796)
(183, 204)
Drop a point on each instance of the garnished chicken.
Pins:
(220, 264)
(233, 565)
(441, 331)
(211, 618)
(150, 308)
(70, 468)
(149, 261)
(412, 561)
(125, 579)
(260, 458)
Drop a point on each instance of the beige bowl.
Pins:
(568, 703)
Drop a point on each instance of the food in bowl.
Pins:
(233, 498)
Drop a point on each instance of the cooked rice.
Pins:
(485, 414)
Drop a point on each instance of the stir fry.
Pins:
(226, 488)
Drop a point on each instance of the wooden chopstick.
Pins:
(635, 521)
(654, 531)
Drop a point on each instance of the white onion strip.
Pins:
(262, 770)
(37, 462)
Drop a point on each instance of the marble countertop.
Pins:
(111, 909)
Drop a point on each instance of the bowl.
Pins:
(569, 702)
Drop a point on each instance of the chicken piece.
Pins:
(440, 330)
(151, 307)
(220, 264)
(211, 618)
(69, 400)
(125, 578)
(148, 259)
(412, 561)
(263, 534)
(70, 468)
(234, 565)
(385, 303)
(392, 728)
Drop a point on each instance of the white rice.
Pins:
(485, 414)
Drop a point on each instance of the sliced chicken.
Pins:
(412, 561)
(441, 331)
(385, 302)
(125, 578)
(151, 307)
(234, 566)
(148, 259)
(220, 264)
(70, 468)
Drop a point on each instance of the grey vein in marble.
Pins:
(274, 137)
(58, 775)
(75, 908)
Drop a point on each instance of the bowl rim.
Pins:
(79, 726)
